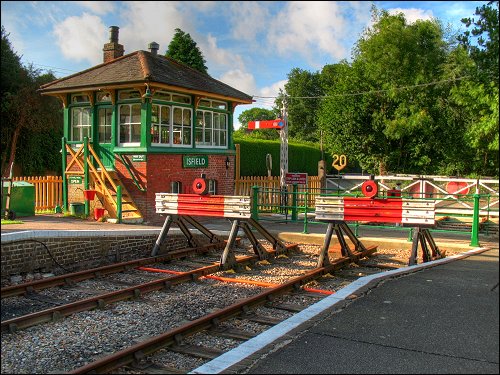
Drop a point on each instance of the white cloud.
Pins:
(274, 89)
(220, 56)
(98, 7)
(148, 21)
(413, 14)
(81, 38)
(248, 19)
(311, 28)
(240, 80)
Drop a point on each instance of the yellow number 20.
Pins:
(339, 162)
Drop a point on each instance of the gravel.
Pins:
(87, 336)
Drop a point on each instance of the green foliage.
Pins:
(6, 222)
(302, 157)
(257, 114)
(184, 49)
(485, 51)
(302, 90)
(28, 119)
(412, 100)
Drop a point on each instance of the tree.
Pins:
(27, 117)
(485, 33)
(478, 97)
(382, 113)
(184, 49)
(257, 114)
(302, 91)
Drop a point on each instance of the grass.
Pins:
(7, 222)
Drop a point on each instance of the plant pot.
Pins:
(89, 194)
(98, 213)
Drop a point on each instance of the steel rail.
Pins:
(30, 287)
(58, 312)
(175, 336)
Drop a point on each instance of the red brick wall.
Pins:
(158, 172)
(161, 169)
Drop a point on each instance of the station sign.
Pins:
(139, 158)
(195, 161)
(73, 180)
(296, 178)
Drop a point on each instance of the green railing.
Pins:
(298, 207)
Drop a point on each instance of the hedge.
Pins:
(302, 158)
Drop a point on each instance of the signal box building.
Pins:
(141, 124)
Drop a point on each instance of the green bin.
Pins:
(77, 208)
(22, 198)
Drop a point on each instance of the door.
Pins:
(104, 147)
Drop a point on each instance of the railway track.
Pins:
(188, 312)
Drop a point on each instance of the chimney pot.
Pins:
(153, 47)
(113, 34)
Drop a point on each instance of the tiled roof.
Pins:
(144, 67)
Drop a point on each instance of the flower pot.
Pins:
(89, 194)
(98, 213)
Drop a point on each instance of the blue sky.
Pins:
(251, 46)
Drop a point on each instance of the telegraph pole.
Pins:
(284, 146)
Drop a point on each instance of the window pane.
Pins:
(187, 117)
(223, 138)
(124, 133)
(155, 134)
(181, 99)
(155, 109)
(136, 133)
(162, 95)
(165, 134)
(124, 114)
(186, 136)
(103, 97)
(136, 113)
(165, 115)
(177, 116)
(129, 94)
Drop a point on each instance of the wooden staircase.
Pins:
(106, 184)
(130, 212)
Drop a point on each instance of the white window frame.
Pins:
(80, 126)
(106, 127)
(215, 129)
(183, 128)
(130, 124)
(166, 127)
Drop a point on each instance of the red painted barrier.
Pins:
(373, 210)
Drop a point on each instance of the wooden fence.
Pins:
(48, 191)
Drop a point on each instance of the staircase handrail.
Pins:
(134, 179)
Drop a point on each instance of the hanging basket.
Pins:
(89, 194)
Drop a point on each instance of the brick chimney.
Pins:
(112, 50)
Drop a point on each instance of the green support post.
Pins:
(64, 180)
(86, 171)
(474, 239)
(294, 201)
(410, 235)
(119, 203)
(305, 213)
(255, 205)
(356, 228)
